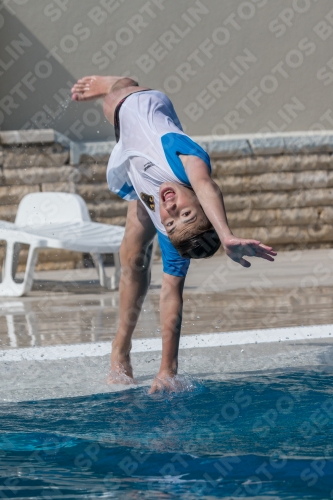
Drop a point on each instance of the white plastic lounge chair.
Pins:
(56, 220)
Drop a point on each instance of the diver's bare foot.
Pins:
(121, 371)
(119, 376)
(93, 87)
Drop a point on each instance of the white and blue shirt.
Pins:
(147, 154)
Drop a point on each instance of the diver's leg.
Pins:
(135, 256)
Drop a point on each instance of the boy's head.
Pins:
(186, 223)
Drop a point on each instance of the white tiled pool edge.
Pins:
(218, 339)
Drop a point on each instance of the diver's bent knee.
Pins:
(137, 262)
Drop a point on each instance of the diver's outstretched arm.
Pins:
(211, 199)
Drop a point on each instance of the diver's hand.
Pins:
(236, 248)
(165, 383)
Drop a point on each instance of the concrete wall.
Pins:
(277, 188)
(230, 66)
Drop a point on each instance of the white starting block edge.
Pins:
(217, 339)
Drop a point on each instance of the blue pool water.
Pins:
(264, 437)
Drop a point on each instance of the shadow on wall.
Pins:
(35, 88)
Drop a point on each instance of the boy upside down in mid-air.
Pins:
(166, 177)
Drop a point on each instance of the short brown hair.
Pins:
(199, 243)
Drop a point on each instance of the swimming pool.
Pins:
(260, 437)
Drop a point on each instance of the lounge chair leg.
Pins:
(103, 278)
(9, 287)
(115, 279)
(29, 270)
(16, 255)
